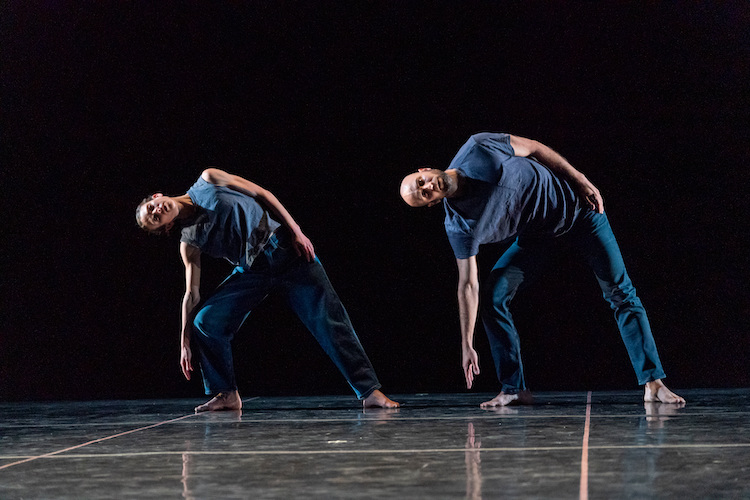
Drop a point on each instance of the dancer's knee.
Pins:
(619, 298)
(206, 324)
(497, 293)
(199, 323)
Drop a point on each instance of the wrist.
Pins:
(578, 176)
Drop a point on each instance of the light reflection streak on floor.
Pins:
(435, 446)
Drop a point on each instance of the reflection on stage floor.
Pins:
(565, 445)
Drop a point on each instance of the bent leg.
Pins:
(515, 269)
(314, 300)
(595, 240)
(219, 319)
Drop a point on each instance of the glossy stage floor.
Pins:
(566, 445)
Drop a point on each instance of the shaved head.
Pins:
(427, 187)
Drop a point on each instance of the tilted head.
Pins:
(427, 186)
(156, 213)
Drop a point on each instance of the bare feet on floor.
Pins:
(222, 401)
(502, 399)
(378, 400)
(656, 392)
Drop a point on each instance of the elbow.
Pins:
(191, 300)
(468, 287)
(263, 194)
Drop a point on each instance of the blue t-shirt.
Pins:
(504, 196)
(227, 224)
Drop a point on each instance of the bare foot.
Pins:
(379, 400)
(502, 399)
(222, 401)
(656, 392)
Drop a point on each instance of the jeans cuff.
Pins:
(368, 393)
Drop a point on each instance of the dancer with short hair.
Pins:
(498, 188)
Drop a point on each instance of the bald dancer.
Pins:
(502, 188)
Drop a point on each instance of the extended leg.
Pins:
(313, 298)
(597, 243)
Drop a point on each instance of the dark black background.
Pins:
(329, 104)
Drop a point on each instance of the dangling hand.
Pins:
(470, 364)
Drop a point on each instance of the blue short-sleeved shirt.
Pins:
(227, 224)
(504, 196)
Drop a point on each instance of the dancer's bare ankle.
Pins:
(221, 402)
(503, 399)
(379, 400)
(656, 392)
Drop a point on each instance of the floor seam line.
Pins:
(94, 441)
(354, 451)
(584, 486)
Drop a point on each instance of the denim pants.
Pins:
(310, 295)
(592, 237)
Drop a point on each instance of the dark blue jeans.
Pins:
(311, 296)
(592, 237)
